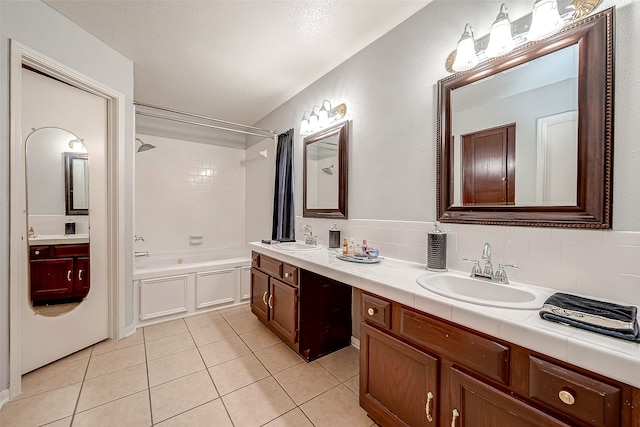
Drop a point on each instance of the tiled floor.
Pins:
(216, 369)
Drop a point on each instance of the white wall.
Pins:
(185, 188)
(390, 88)
(39, 27)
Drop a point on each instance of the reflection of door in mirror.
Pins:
(488, 167)
(58, 263)
(546, 86)
(322, 178)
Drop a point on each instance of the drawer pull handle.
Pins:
(68, 275)
(79, 274)
(372, 311)
(456, 414)
(264, 298)
(427, 407)
(271, 301)
(567, 397)
(37, 252)
(287, 275)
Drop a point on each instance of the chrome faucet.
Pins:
(310, 239)
(141, 254)
(500, 275)
(137, 238)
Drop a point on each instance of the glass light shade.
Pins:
(323, 114)
(500, 38)
(545, 20)
(466, 57)
(314, 119)
(304, 124)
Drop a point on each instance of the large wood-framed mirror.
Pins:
(527, 139)
(326, 173)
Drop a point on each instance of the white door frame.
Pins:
(21, 54)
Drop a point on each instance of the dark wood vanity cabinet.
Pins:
(59, 272)
(419, 370)
(309, 312)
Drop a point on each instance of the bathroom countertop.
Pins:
(396, 280)
(58, 239)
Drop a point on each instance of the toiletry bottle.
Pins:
(334, 237)
(365, 247)
(32, 232)
(345, 247)
(352, 246)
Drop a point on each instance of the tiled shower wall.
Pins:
(185, 189)
(602, 264)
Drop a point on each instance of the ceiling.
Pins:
(234, 60)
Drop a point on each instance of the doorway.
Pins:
(108, 246)
(488, 167)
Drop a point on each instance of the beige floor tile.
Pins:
(338, 406)
(177, 396)
(354, 384)
(223, 351)
(130, 411)
(278, 357)
(115, 385)
(246, 324)
(258, 403)
(175, 366)
(111, 345)
(204, 319)
(209, 414)
(115, 360)
(306, 381)
(295, 418)
(165, 329)
(54, 375)
(78, 355)
(259, 339)
(40, 409)
(343, 364)
(169, 345)
(65, 422)
(213, 333)
(236, 312)
(236, 373)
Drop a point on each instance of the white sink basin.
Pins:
(482, 292)
(296, 246)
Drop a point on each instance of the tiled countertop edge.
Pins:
(396, 280)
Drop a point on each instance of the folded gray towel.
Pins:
(606, 318)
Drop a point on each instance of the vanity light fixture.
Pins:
(500, 38)
(321, 117)
(545, 20)
(77, 145)
(466, 57)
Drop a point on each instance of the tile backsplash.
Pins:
(599, 263)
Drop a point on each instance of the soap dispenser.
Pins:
(436, 250)
(334, 237)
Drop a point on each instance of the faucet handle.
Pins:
(501, 274)
(476, 266)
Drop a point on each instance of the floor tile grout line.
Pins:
(75, 408)
(146, 362)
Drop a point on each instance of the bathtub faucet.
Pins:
(141, 254)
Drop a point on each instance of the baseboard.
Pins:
(355, 343)
(4, 397)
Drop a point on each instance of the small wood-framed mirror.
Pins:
(503, 124)
(326, 173)
(76, 183)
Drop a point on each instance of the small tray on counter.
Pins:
(358, 259)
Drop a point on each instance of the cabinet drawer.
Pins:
(290, 274)
(376, 310)
(255, 259)
(468, 349)
(40, 252)
(582, 397)
(271, 266)
(72, 250)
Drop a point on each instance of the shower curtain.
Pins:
(283, 210)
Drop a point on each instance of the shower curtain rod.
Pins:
(155, 107)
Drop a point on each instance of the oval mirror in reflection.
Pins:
(57, 168)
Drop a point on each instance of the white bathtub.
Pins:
(170, 286)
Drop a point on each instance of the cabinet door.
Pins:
(82, 281)
(283, 303)
(51, 279)
(398, 384)
(476, 404)
(259, 294)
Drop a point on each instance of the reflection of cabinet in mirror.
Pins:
(326, 173)
(59, 273)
